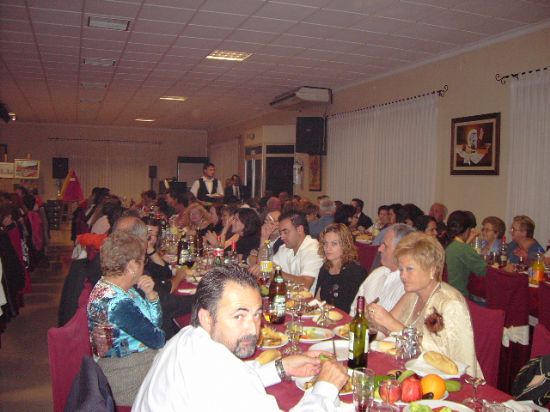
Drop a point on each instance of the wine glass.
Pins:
(300, 300)
(362, 382)
(294, 330)
(474, 402)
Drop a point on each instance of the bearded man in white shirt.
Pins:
(200, 369)
(384, 282)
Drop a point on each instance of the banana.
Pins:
(404, 375)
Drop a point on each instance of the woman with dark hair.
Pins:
(408, 213)
(462, 259)
(426, 224)
(341, 274)
(124, 326)
(246, 223)
(344, 214)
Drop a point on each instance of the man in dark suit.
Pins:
(235, 192)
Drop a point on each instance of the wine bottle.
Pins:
(183, 251)
(277, 297)
(358, 332)
(503, 258)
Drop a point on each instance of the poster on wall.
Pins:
(6, 170)
(27, 169)
(315, 173)
(475, 145)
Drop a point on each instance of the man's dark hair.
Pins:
(151, 194)
(359, 202)
(383, 207)
(211, 287)
(207, 165)
(250, 220)
(422, 221)
(183, 198)
(297, 218)
(410, 212)
(395, 207)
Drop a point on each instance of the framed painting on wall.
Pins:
(475, 145)
(27, 169)
(6, 170)
(315, 173)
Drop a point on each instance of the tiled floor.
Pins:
(24, 369)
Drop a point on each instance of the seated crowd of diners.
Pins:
(24, 236)
(132, 304)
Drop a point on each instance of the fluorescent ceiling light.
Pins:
(229, 55)
(109, 23)
(144, 120)
(95, 61)
(93, 85)
(174, 98)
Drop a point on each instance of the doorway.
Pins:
(279, 174)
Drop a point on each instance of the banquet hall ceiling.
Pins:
(324, 43)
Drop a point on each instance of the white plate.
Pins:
(365, 242)
(283, 343)
(190, 291)
(401, 403)
(342, 348)
(316, 334)
(432, 403)
(337, 331)
(422, 368)
(301, 383)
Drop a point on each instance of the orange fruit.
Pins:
(434, 384)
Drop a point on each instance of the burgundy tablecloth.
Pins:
(288, 394)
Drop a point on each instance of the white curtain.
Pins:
(121, 166)
(384, 154)
(529, 153)
(225, 155)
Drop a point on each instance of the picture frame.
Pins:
(27, 169)
(315, 182)
(7, 170)
(475, 145)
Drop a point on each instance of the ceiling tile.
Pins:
(63, 41)
(103, 34)
(295, 41)
(206, 32)
(157, 27)
(429, 32)
(409, 11)
(361, 6)
(148, 38)
(285, 11)
(112, 8)
(381, 24)
(226, 20)
(267, 24)
(145, 48)
(141, 57)
(334, 18)
(102, 44)
(252, 36)
(68, 18)
(312, 30)
(172, 14)
(234, 6)
(12, 12)
(67, 5)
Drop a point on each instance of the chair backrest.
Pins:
(477, 286)
(541, 341)
(544, 304)
(67, 346)
(509, 292)
(366, 254)
(488, 326)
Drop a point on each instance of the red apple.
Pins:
(411, 390)
(390, 391)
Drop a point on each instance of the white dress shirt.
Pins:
(194, 373)
(381, 283)
(209, 182)
(306, 262)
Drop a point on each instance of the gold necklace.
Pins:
(419, 312)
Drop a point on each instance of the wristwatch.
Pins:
(281, 370)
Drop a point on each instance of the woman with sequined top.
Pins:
(434, 308)
(124, 326)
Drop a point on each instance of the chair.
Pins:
(544, 304)
(67, 346)
(541, 341)
(366, 254)
(510, 292)
(488, 325)
(477, 286)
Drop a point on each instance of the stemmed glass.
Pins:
(474, 402)
(362, 382)
(300, 300)
(294, 330)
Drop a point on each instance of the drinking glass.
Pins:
(362, 383)
(390, 391)
(300, 300)
(495, 407)
(474, 402)
(294, 330)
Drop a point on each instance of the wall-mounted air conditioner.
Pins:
(302, 97)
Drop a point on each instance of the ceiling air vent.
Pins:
(109, 23)
(302, 97)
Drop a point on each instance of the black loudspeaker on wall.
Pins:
(60, 167)
(310, 135)
(152, 172)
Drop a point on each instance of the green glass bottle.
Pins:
(358, 341)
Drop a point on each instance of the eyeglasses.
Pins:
(515, 229)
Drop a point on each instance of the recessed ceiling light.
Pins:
(174, 98)
(93, 85)
(144, 120)
(229, 55)
(95, 61)
(109, 23)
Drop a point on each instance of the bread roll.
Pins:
(335, 316)
(387, 347)
(441, 362)
(268, 356)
